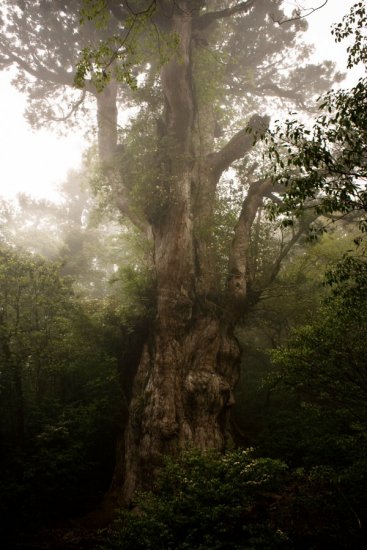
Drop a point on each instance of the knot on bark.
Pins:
(237, 284)
(206, 390)
(168, 428)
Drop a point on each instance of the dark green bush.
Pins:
(237, 501)
(206, 501)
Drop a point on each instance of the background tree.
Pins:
(59, 395)
(292, 300)
(317, 405)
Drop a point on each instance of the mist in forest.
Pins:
(182, 330)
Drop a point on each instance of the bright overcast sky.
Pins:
(36, 162)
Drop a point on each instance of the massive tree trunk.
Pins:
(184, 384)
(183, 388)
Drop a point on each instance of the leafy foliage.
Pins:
(206, 501)
(236, 500)
(325, 167)
(60, 398)
(354, 23)
(331, 351)
(292, 300)
(317, 405)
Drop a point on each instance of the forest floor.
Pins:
(54, 539)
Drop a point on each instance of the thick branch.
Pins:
(108, 153)
(237, 287)
(38, 71)
(177, 86)
(239, 145)
(208, 18)
(277, 91)
(123, 206)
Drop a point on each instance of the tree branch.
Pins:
(151, 7)
(123, 206)
(73, 109)
(237, 279)
(38, 71)
(275, 90)
(274, 198)
(303, 227)
(239, 145)
(298, 14)
(205, 20)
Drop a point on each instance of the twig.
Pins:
(298, 15)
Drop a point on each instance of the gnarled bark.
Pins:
(182, 394)
(183, 389)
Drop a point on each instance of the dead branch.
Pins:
(298, 14)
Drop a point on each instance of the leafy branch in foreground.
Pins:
(206, 501)
(354, 22)
(325, 166)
